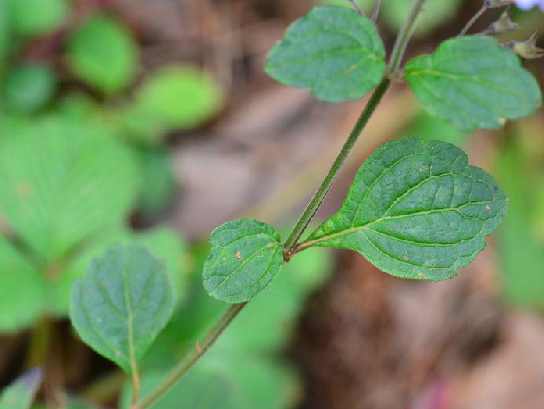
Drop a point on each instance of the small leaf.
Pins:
(174, 97)
(334, 51)
(20, 394)
(416, 210)
(22, 290)
(103, 53)
(28, 87)
(122, 304)
(37, 17)
(473, 82)
(246, 255)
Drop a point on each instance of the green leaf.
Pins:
(122, 304)
(103, 53)
(246, 255)
(27, 88)
(62, 182)
(333, 51)
(394, 12)
(163, 242)
(20, 394)
(473, 82)
(173, 97)
(416, 210)
(22, 290)
(521, 254)
(158, 183)
(37, 17)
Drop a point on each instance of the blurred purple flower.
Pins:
(527, 4)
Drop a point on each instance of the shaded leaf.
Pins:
(473, 82)
(521, 254)
(246, 255)
(62, 182)
(103, 53)
(333, 51)
(122, 304)
(20, 394)
(37, 17)
(416, 210)
(22, 290)
(174, 97)
(27, 88)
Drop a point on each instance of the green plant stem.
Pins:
(323, 189)
(473, 20)
(211, 336)
(376, 10)
(356, 7)
(192, 357)
(403, 37)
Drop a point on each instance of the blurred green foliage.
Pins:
(73, 169)
(82, 148)
(394, 12)
(521, 246)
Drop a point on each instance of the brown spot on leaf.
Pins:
(238, 255)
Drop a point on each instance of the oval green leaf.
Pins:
(122, 304)
(416, 210)
(103, 53)
(37, 17)
(473, 82)
(246, 254)
(173, 97)
(334, 51)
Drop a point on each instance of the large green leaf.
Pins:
(333, 51)
(173, 97)
(37, 17)
(473, 82)
(245, 257)
(416, 210)
(122, 304)
(103, 53)
(63, 181)
(20, 394)
(22, 295)
(28, 87)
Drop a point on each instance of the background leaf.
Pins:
(102, 53)
(416, 210)
(22, 290)
(174, 97)
(63, 181)
(122, 304)
(37, 17)
(20, 394)
(28, 88)
(473, 82)
(394, 12)
(246, 255)
(521, 254)
(333, 51)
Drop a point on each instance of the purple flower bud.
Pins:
(527, 4)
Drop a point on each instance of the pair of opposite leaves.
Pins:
(415, 209)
